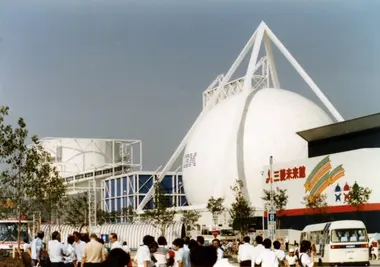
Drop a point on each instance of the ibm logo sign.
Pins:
(189, 160)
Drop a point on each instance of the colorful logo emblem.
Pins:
(322, 176)
(342, 192)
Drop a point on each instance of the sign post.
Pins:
(272, 210)
(272, 224)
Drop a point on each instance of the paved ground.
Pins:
(375, 263)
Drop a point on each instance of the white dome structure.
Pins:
(243, 123)
(237, 137)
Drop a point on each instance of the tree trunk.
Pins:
(80, 228)
(19, 231)
(19, 214)
(215, 219)
(50, 211)
(163, 229)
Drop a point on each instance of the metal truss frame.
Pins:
(259, 80)
(261, 35)
(136, 190)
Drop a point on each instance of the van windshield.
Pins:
(348, 235)
(9, 233)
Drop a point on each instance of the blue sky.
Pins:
(136, 69)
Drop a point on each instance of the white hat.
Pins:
(291, 250)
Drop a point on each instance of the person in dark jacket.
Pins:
(117, 257)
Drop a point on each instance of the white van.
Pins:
(339, 242)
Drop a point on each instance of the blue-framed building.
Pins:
(130, 189)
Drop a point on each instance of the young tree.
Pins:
(75, 212)
(241, 210)
(358, 196)
(190, 218)
(112, 217)
(161, 215)
(317, 203)
(128, 214)
(28, 178)
(54, 191)
(215, 206)
(280, 200)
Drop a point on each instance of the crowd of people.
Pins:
(84, 250)
(264, 253)
(78, 250)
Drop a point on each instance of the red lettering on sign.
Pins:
(287, 174)
(295, 173)
(276, 176)
(302, 172)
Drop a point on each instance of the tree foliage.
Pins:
(161, 214)
(190, 218)
(358, 195)
(75, 212)
(318, 203)
(216, 207)
(128, 214)
(28, 181)
(241, 210)
(280, 198)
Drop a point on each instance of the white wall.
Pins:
(359, 166)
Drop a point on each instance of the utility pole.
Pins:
(272, 209)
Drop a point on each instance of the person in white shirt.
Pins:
(79, 246)
(181, 258)
(143, 256)
(70, 257)
(37, 248)
(56, 250)
(306, 255)
(258, 249)
(162, 253)
(220, 252)
(245, 252)
(126, 248)
(267, 257)
(286, 243)
(114, 242)
(292, 258)
(346, 237)
(280, 254)
(186, 241)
